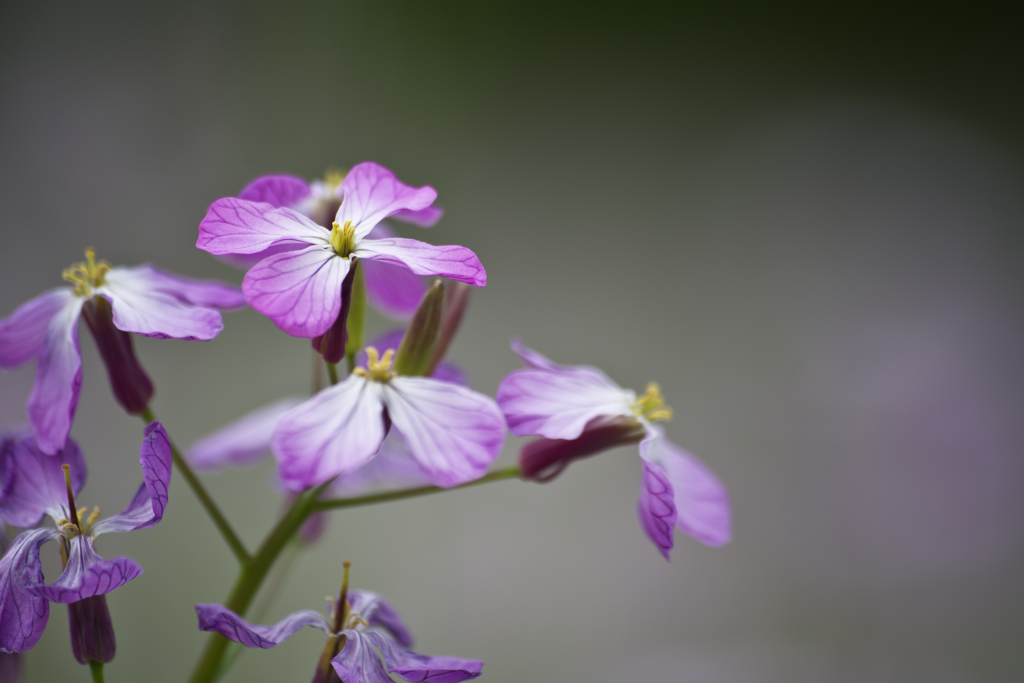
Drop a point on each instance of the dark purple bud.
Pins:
(544, 459)
(457, 300)
(128, 381)
(92, 633)
(331, 344)
(10, 667)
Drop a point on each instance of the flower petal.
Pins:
(334, 432)
(87, 574)
(299, 290)
(392, 467)
(458, 263)
(358, 662)
(22, 333)
(206, 293)
(241, 443)
(34, 483)
(54, 397)
(146, 509)
(425, 218)
(454, 433)
(701, 500)
(378, 612)
(233, 627)
(276, 190)
(238, 226)
(372, 193)
(656, 508)
(413, 666)
(153, 313)
(23, 614)
(393, 290)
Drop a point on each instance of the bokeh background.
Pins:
(804, 222)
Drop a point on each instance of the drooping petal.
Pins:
(332, 433)
(425, 218)
(23, 614)
(206, 293)
(87, 574)
(372, 193)
(276, 190)
(392, 467)
(701, 500)
(35, 485)
(413, 666)
(656, 508)
(358, 661)
(146, 509)
(238, 226)
(454, 433)
(54, 397)
(458, 263)
(23, 332)
(241, 443)
(299, 290)
(233, 627)
(379, 612)
(153, 313)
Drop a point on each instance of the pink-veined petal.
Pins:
(87, 574)
(150, 312)
(276, 190)
(299, 290)
(241, 443)
(458, 263)
(371, 193)
(393, 290)
(146, 509)
(23, 332)
(412, 666)
(379, 613)
(23, 614)
(454, 433)
(424, 218)
(206, 293)
(332, 433)
(391, 468)
(34, 483)
(54, 397)
(656, 507)
(237, 226)
(221, 620)
(358, 661)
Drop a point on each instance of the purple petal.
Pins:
(533, 359)
(51, 406)
(152, 313)
(241, 443)
(559, 404)
(358, 662)
(701, 500)
(237, 226)
(233, 627)
(372, 193)
(276, 190)
(247, 261)
(656, 507)
(458, 263)
(413, 666)
(454, 433)
(392, 467)
(425, 218)
(22, 333)
(206, 293)
(23, 614)
(34, 484)
(87, 574)
(146, 509)
(299, 290)
(393, 290)
(332, 433)
(378, 612)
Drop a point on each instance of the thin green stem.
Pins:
(336, 503)
(230, 537)
(332, 372)
(96, 669)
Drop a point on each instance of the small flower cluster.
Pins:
(402, 422)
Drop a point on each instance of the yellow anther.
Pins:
(87, 275)
(343, 239)
(334, 177)
(92, 517)
(377, 369)
(651, 406)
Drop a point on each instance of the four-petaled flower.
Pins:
(579, 411)
(300, 289)
(36, 485)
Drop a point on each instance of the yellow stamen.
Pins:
(334, 177)
(378, 370)
(92, 517)
(87, 275)
(651, 406)
(343, 239)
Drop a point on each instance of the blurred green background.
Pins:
(805, 222)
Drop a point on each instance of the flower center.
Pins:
(343, 239)
(377, 370)
(78, 524)
(87, 275)
(651, 406)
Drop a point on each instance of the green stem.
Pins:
(230, 537)
(96, 669)
(332, 372)
(335, 503)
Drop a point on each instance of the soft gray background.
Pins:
(805, 227)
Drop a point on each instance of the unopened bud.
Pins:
(92, 632)
(417, 347)
(544, 459)
(457, 300)
(128, 381)
(331, 344)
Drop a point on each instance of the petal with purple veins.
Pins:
(276, 190)
(207, 293)
(372, 193)
(425, 218)
(358, 661)
(379, 612)
(23, 614)
(35, 483)
(458, 263)
(153, 313)
(146, 509)
(412, 666)
(87, 574)
(54, 397)
(656, 508)
(393, 290)
(23, 333)
(237, 226)
(392, 467)
(233, 627)
(241, 443)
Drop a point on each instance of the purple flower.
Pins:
(114, 302)
(366, 624)
(300, 289)
(580, 412)
(37, 485)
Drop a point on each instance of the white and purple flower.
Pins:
(300, 287)
(580, 412)
(114, 302)
(37, 485)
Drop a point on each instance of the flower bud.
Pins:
(457, 300)
(331, 344)
(544, 459)
(128, 381)
(417, 347)
(92, 633)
